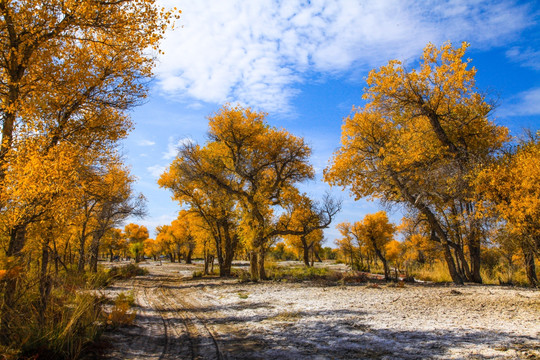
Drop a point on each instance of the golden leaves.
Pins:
(419, 126)
(511, 188)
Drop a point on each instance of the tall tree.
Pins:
(213, 205)
(510, 187)
(69, 72)
(257, 165)
(417, 142)
(136, 234)
(376, 231)
(116, 202)
(305, 218)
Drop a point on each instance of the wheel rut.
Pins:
(181, 318)
(167, 325)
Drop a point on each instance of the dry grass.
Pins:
(437, 272)
(74, 317)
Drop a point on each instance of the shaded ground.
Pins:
(183, 318)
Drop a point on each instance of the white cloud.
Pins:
(173, 145)
(527, 57)
(156, 170)
(255, 52)
(523, 104)
(145, 142)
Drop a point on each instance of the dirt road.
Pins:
(184, 318)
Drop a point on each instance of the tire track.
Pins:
(203, 342)
(168, 324)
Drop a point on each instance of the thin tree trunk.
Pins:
(318, 256)
(44, 282)
(56, 257)
(205, 255)
(305, 249)
(385, 264)
(82, 255)
(94, 250)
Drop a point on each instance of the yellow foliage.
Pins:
(511, 188)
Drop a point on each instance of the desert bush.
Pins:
(127, 271)
(300, 273)
(121, 313)
(354, 277)
(241, 274)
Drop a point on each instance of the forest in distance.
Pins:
(424, 141)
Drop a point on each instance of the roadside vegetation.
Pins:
(71, 72)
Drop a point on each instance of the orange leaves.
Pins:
(136, 233)
(10, 274)
(376, 229)
(511, 186)
(246, 164)
(417, 131)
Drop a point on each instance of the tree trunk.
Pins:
(17, 241)
(82, 255)
(225, 267)
(231, 244)
(94, 250)
(318, 256)
(305, 249)
(44, 282)
(219, 252)
(436, 229)
(456, 277)
(385, 264)
(56, 257)
(206, 256)
(530, 267)
(463, 265)
(253, 265)
(189, 255)
(474, 254)
(262, 272)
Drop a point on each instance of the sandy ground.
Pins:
(183, 318)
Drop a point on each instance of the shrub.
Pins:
(297, 273)
(126, 272)
(120, 314)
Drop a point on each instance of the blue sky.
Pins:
(305, 64)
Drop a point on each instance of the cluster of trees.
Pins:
(424, 140)
(69, 72)
(367, 241)
(241, 186)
